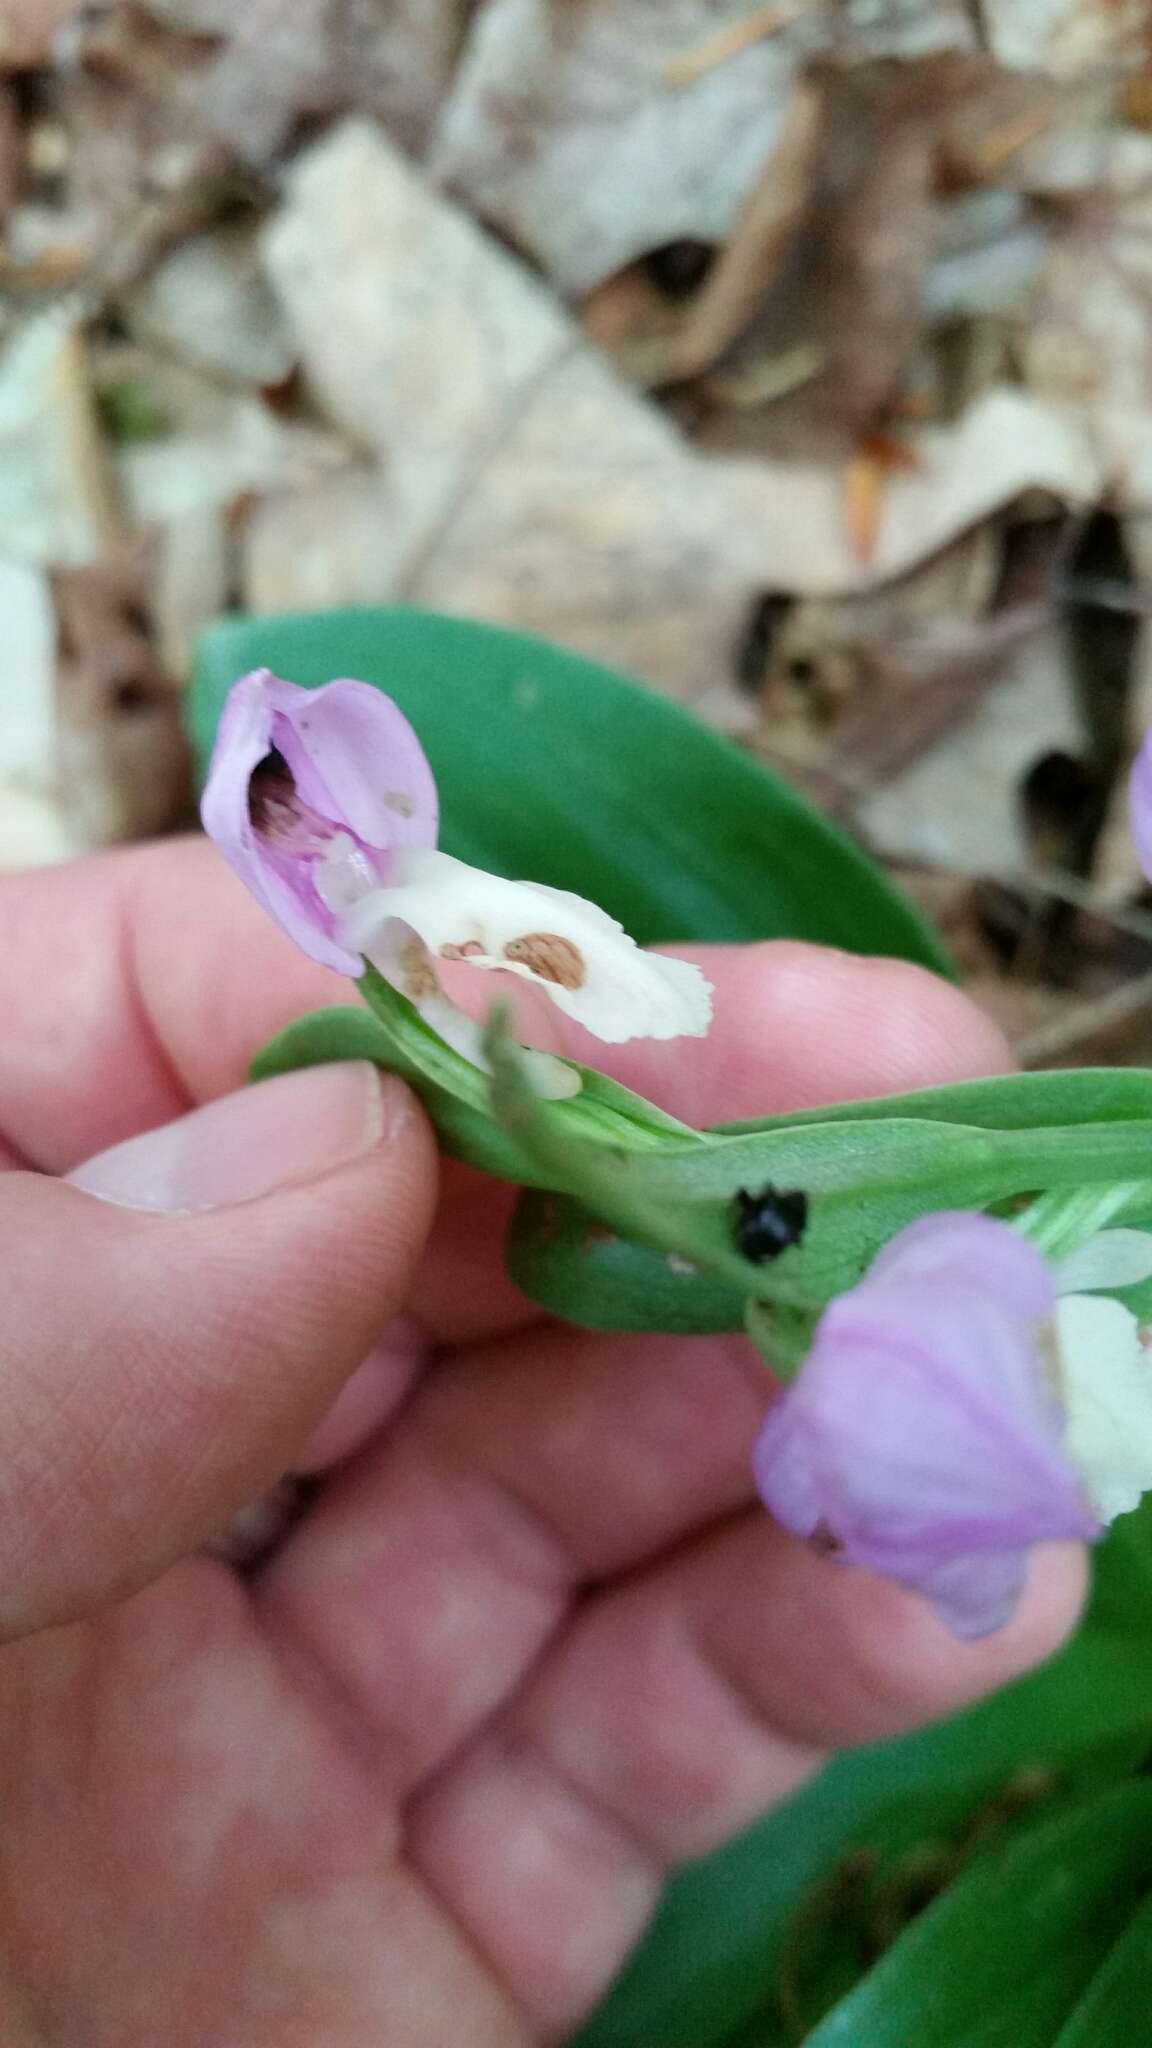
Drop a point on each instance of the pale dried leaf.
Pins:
(958, 807)
(192, 584)
(209, 299)
(122, 759)
(524, 482)
(220, 444)
(29, 28)
(27, 717)
(989, 250)
(848, 298)
(290, 59)
(1090, 336)
(1004, 445)
(521, 482)
(56, 504)
(562, 128)
(1068, 37)
(330, 544)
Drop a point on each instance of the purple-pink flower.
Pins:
(923, 1437)
(297, 774)
(324, 804)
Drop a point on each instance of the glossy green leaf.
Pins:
(553, 768)
(1005, 1102)
(1116, 2010)
(1001, 1959)
(323, 1036)
(717, 1953)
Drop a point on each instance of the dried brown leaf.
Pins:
(133, 167)
(749, 263)
(289, 60)
(728, 42)
(1070, 38)
(563, 131)
(513, 477)
(848, 287)
(29, 28)
(123, 769)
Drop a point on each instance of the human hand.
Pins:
(419, 1779)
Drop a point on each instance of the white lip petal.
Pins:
(403, 959)
(1107, 1397)
(583, 960)
(1113, 1258)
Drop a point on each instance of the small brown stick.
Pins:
(1052, 1041)
(730, 42)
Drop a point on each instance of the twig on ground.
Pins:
(1056, 1040)
(732, 41)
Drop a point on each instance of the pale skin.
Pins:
(420, 1779)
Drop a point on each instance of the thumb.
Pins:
(167, 1348)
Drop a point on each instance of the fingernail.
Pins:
(277, 1133)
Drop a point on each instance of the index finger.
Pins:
(137, 984)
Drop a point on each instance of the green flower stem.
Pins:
(1058, 1223)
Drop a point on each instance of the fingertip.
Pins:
(927, 1032)
(897, 1666)
(826, 1026)
(839, 1656)
(1049, 1611)
(797, 1025)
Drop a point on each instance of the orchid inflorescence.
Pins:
(970, 1389)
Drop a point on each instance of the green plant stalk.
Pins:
(1059, 1222)
(638, 1226)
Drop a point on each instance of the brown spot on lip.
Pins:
(419, 974)
(398, 802)
(551, 957)
(468, 949)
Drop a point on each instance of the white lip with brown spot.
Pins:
(575, 952)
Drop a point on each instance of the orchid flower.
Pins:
(964, 1401)
(324, 804)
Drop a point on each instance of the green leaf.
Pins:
(553, 768)
(456, 1093)
(865, 1178)
(1114, 2011)
(562, 1257)
(717, 1953)
(322, 1036)
(1006, 1102)
(609, 1177)
(1001, 1959)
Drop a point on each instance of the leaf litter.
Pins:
(795, 358)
